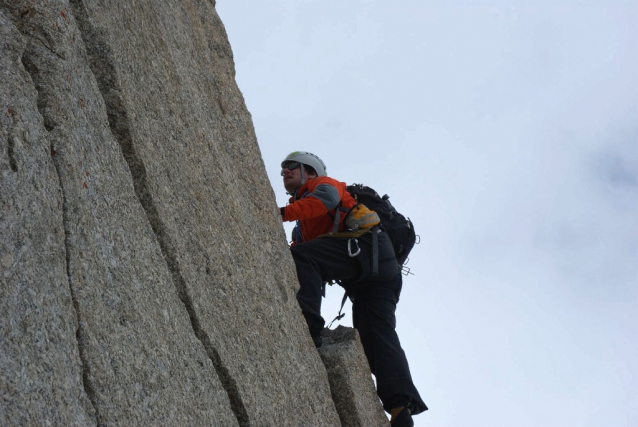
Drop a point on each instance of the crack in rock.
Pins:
(29, 64)
(104, 71)
(10, 152)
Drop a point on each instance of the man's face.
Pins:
(291, 174)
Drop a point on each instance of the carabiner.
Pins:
(356, 242)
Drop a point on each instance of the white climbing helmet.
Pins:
(308, 159)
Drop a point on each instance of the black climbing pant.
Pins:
(374, 299)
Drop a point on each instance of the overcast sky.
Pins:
(508, 132)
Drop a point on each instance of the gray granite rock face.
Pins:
(40, 366)
(146, 279)
(134, 349)
(353, 390)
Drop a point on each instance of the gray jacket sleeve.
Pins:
(327, 194)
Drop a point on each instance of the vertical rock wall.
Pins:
(145, 279)
(40, 366)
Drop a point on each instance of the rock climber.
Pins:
(316, 204)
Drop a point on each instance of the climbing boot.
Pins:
(404, 418)
(318, 341)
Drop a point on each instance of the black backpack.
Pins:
(399, 228)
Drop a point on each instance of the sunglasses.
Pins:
(291, 166)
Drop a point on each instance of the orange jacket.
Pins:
(314, 205)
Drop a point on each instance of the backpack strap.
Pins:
(375, 251)
(337, 218)
(335, 227)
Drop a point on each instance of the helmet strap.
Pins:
(303, 181)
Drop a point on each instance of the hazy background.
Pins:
(508, 132)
